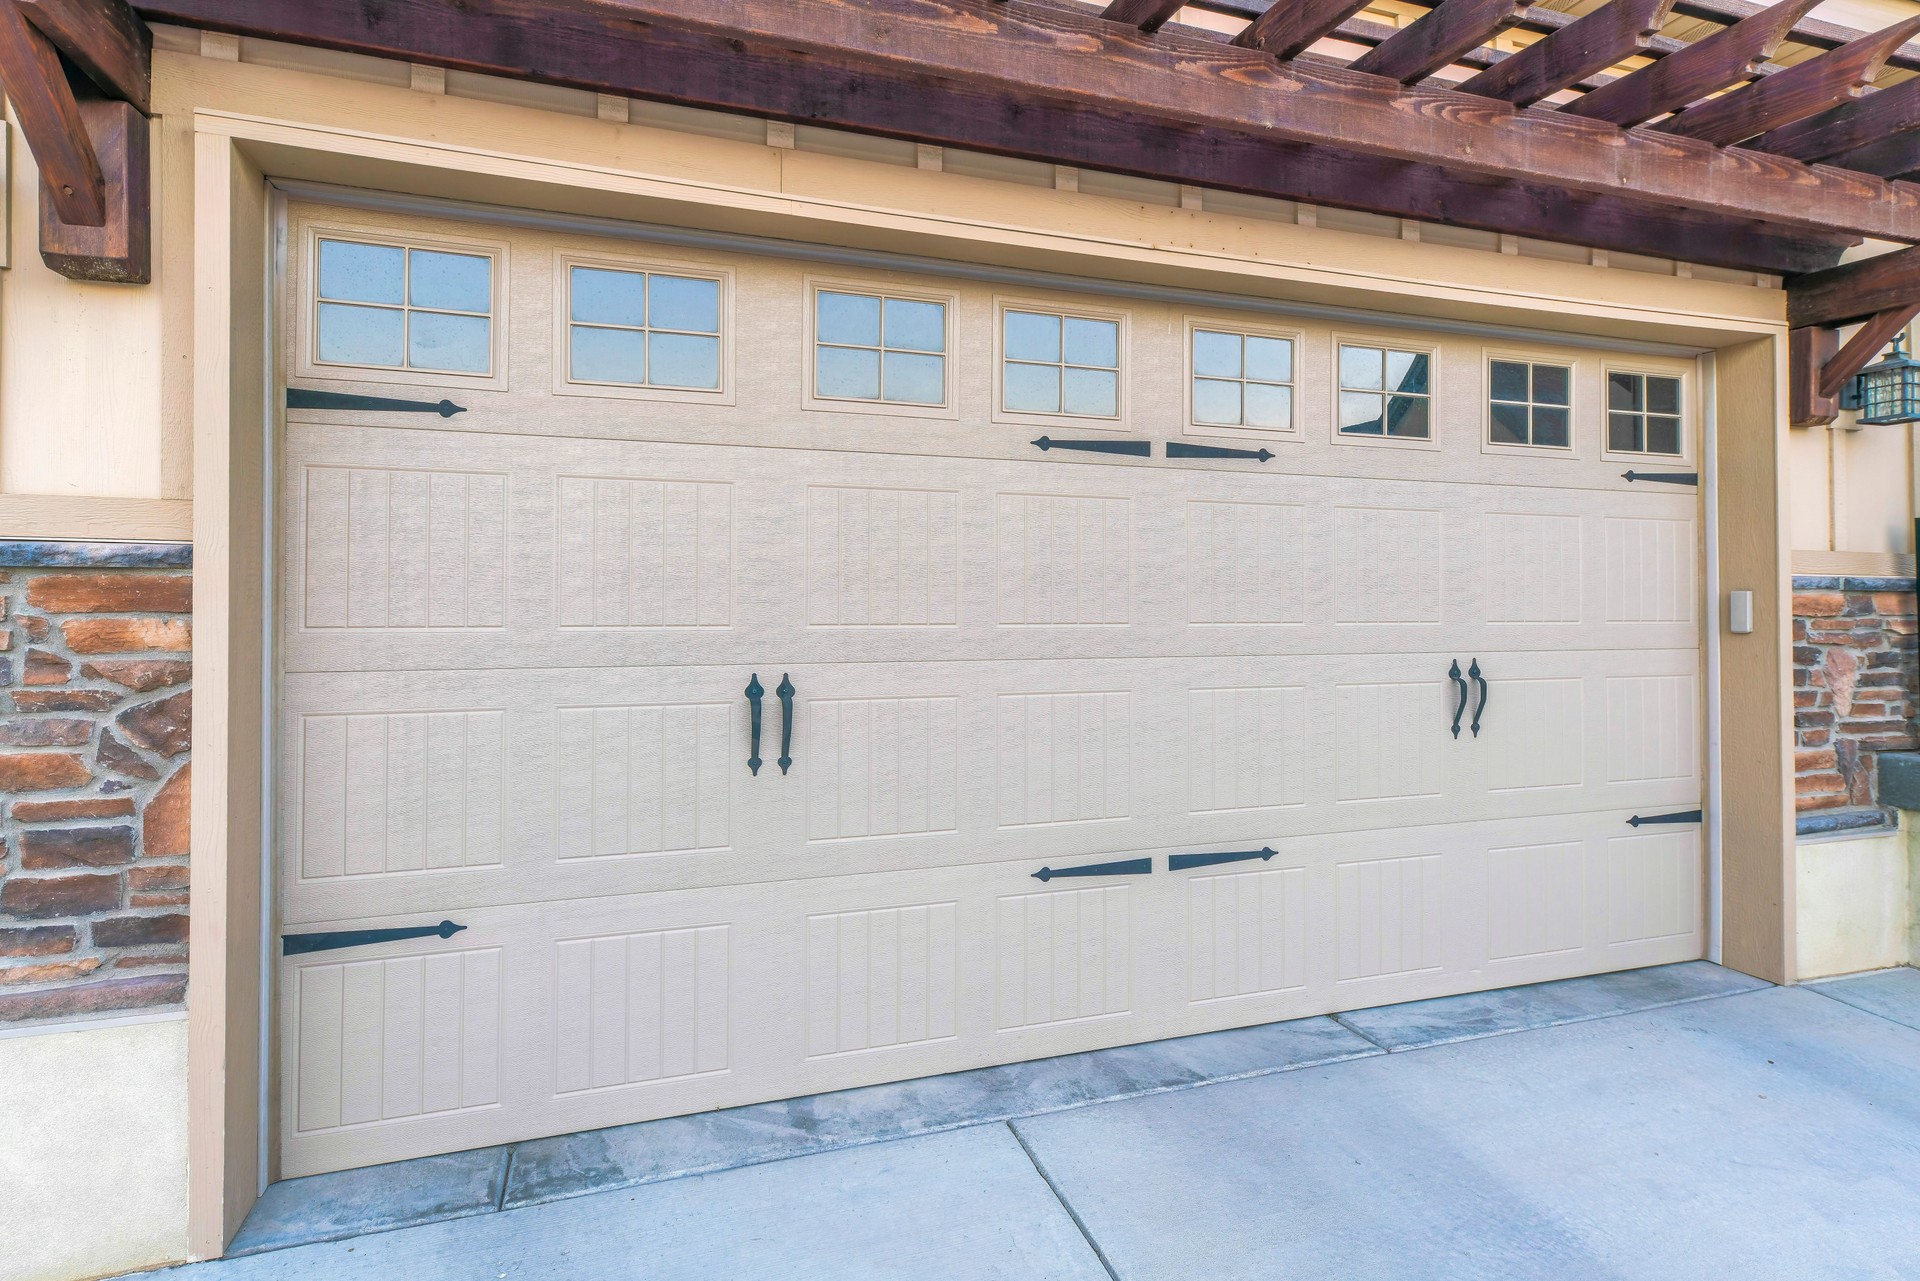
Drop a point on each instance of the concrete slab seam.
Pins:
(1040, 1169)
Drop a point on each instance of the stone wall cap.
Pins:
(61, 554)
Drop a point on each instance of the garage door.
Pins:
(778, 680)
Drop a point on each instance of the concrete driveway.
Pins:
(1679, 1123)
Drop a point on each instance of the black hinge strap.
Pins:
(298, 944)
(1181, 862)
(1665, 477)
(303, 398)
(1180, 449)
(1125, 867)
(1684, 816)
(1135, 448)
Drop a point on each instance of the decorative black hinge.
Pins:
(1665, 477)
(1684, 816)
(302, 398)
(1179, 449)
(1181, 862)
(1125, 867)
(1135, 448)
(297, 944)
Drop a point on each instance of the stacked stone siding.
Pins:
(95, 725)
(1853, 685)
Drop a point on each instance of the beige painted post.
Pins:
(1756, 711)
(230, 235)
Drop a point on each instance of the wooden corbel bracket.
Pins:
(1818, 366)
(78, 75)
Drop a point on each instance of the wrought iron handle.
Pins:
(1181, 862)
(754, 692)
(300, 944)
(1125, 867)
(786, 722)
(1684, 816)
(1461, 710)
(1481, 681)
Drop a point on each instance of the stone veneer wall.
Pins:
(1853, 685)
(95, 721)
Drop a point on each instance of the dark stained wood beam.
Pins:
(43, 101)
(1856, 291)
(1686, 75)
(103, 38)
(119, 250)
(1289, 26)
(1873, 118)
(1437, 39)
(1057, 84)
(1893, 157)
(1809, 348)
(1866, 343)
(1802, 90)
(1616, 30)
(1809, 31)
(1147, 15)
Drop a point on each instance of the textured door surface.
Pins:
(515, 643)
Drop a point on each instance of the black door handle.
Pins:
(786, 722)
(1461, 710)
(1481, 681)
(754, 692)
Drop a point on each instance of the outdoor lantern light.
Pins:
(1888, 392)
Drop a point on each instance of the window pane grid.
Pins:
(1643, 414)
(368, 310)
(615, 341)
(881, 348)
(1058, 363)
(1385, 392)
(1529, 404)
(1242, 380)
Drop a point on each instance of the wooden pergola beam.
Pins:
(1053, 82)
(1582, 48)
(1854, 292)
(103, 39)
(1866, 120)
(1859, 350)
(1688, 74)
(1288, 27)
(1802, 90)
(1438, 38)
(1145, 15)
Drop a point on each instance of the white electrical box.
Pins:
(1740, 612)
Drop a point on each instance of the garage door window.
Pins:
(1059, 365)
(1385, 392)
(1529, 404)
(643, 329)
(1241, 380)
(389, 306)
(1643, 414)
(879, 348)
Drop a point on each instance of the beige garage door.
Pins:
(1084, 747)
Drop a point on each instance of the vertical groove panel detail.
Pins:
(1649, 572)
(1652, 728)
(880, 978)
(1246, 748)
(1244, 562)
(1064, 955)
(1387, 916)
(1653, 886)
(394, 549)
(881, 766)
(1063, 559)
(1247, 933)
(1536, 900)
(1391, 737)
(1387, 565)
(882, 557)
(1535, 566)
(633, 1008)
(643, 553)
(1064, 757)
(646, 779)
(1539, 740)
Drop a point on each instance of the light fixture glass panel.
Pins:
(914, 379)
(683, 302)
(1215, 355)
(1093, 342)
(1270, 359)
(352, 272)
(851, 319)
(1092, 393)
(846, 373)
(1269, 406)
(1361, 367)
(1360, 412)
(683, 360)
(608, 356)
(1216, 402)
(451, 282)
(455, 344)
(609, 297)
(1032, 336)
(916, 326)
(1407, 416)
(362, 335)
(1033, 389)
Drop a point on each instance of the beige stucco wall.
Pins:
(93, 1150)
(1855, 902)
